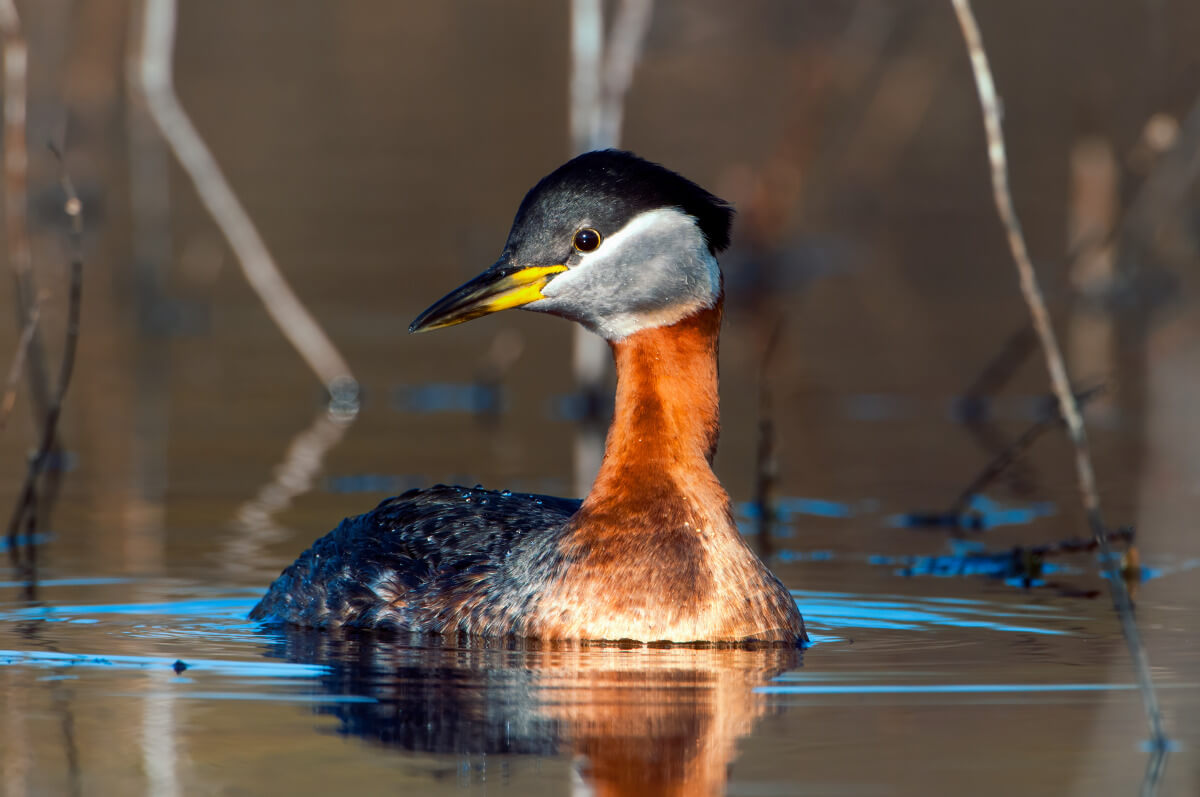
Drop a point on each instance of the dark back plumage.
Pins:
(412, 561)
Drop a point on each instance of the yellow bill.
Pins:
(498, 288)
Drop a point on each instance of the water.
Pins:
(383, 151)
(206, 701)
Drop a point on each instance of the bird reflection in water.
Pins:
(640, 720)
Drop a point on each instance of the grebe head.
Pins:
(609, 240)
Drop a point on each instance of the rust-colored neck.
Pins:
(666, 420)
(654, 553)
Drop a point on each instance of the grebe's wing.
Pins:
(404, 563)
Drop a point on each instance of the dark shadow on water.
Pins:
(642, 720)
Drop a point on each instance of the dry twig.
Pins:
(263, 274)
(1054, 361)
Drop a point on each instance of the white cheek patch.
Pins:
(665, 232)
(654, 271)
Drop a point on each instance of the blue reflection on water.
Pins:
(257, 697)
(66, 582)
(831, 616)
(981, 514)
(786, 507)
(23, 540)
(257, 669)
(788, 555)
(841, 611)
(838, 611)
(216, 608)
(998, 565)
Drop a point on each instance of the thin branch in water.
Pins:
(1004, 460)
(260, 268)
(766, 464)
(999, 371)
(73, 207)
(26, 510)
(1054, 361)
(1025, 563)
(975, 410)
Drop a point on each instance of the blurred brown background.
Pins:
(381, 148)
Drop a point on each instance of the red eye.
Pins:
(586, 240)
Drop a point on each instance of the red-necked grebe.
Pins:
(626, 248)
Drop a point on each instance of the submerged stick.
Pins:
(74, 210)
(766, 464)
(1054, 360)
(26, 508)
(1009, 455)
(218, 198)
